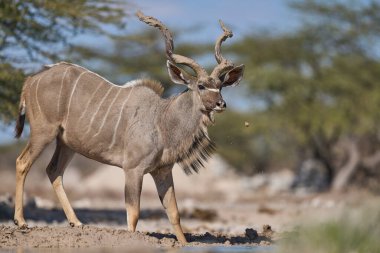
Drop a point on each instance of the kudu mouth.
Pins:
(211, 113)
(219, 109)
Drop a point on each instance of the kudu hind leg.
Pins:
(55, 170)
(23, 164)
(163, 179)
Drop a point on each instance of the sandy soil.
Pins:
(98, 236)
(210, 223)
(218, 208)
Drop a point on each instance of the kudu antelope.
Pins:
(128, 126)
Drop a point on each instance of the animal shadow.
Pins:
(85, 215)
(209, 238)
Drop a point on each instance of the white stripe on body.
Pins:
(97, 110)
(30, 87)
(38, 104)
(125, 139)
(89, 101)
(108, 111)
(60, 91)
(71, 95)
(118, 120)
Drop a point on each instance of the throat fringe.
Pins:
(198, 153)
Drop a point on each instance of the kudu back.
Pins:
(129, 126)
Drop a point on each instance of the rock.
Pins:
(251, 233)
(267, 230)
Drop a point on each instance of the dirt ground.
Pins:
(218, 208)
(248, 223)
(99, 236)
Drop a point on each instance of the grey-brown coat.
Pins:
(129, 126)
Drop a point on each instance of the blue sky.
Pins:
(242, 16)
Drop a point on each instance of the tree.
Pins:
(318, 89)
(38, 31)
(11, 80)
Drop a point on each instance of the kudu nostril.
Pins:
(221, 104)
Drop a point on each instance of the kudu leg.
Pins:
(23, 164)
(133, 185)
(55, 170)
(163, 179)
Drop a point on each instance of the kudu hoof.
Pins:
(23, 226)
(72, 224)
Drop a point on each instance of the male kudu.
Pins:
(129, 126)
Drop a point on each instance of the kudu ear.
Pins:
(232, 77)
(178, 75)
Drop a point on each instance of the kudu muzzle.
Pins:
(220, 106)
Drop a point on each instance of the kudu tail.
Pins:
(21, 116)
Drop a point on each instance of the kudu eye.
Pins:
(201, 87)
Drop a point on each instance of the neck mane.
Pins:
(184, 131)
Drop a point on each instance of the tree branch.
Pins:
(344, 175)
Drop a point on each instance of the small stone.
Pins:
(208, 235)
(251, 233)
(267, 230)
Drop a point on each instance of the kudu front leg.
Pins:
(133, 185)
(163, 179)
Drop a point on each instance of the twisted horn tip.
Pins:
(226, 31)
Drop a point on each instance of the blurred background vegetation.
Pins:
(352, 232)
(313, 93)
